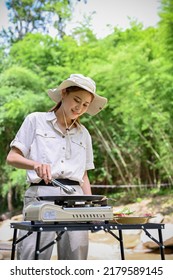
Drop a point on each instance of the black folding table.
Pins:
(60, 228)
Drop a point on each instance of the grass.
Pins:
(144, 200)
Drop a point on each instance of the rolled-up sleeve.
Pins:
(24, 136)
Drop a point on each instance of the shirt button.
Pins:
(63, 136)
(45, 134)
(62, 172)
(80, 143)
(63, 148)
(62, 161)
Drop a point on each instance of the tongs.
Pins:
(66, 189)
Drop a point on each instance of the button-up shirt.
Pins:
(39, 138)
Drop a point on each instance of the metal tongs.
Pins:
(66, 189)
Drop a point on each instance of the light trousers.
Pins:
(73, 245)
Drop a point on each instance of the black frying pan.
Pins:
(63, 198)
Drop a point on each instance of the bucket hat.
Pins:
(83, 82)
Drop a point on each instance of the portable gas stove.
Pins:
(72, 208)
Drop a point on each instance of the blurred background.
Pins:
(126, 46)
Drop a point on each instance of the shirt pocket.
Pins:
(45, 134)
(79, 143)
(43, 147)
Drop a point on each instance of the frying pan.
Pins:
(73, 199)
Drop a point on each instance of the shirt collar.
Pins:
(51, 117)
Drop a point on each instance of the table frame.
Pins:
(61, 227)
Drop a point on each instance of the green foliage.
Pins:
(35, 52)
(17, 178)
(20, 77)
(166, 28)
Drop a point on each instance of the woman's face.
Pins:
(76, 103)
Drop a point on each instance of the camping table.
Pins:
(61, 227)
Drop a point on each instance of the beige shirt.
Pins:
(39, 138)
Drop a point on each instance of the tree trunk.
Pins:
(9, 200)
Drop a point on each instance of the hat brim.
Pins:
(95, 106)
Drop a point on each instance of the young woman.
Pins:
(55, 145)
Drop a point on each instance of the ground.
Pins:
(155, 205)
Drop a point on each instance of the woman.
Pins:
(55, 145)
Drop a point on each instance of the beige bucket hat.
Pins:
(86, 83)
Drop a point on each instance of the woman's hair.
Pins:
(68, 90)
(55, 107)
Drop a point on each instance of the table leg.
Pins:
(14, 244)
(121, 244)
(37, 246)
(161, 245)
(159, 242)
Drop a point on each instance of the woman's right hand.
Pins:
(43, 171)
